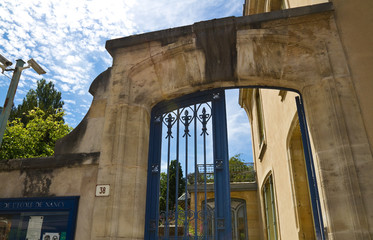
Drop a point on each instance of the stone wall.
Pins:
(64, 175)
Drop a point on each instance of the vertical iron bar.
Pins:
(177, 174)
(204, 122)
(223, 222)
(152, 204)
(186, 119)
(195, 175)
(311, 175)
(169, 136)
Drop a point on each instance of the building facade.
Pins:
(283, 188)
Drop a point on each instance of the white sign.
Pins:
(34, 227)
(102, 190)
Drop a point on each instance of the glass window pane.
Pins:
(234, 227)
(18, 226)
(270, 209)
(241, 223)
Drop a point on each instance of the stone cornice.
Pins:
(253, 21)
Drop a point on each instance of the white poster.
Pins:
(34, 227)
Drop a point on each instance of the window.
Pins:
(239, 218)
(274, 5)
(301, 196)
(239, 221)
(270, 209)
(260, 122)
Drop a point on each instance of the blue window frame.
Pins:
(51, 218)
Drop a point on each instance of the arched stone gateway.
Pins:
(298, 49)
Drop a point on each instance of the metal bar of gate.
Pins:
(177, 173)
(151, 226)
(204, 132)
(169, 120)
(223, 222)
(195, 175)
(186, 119)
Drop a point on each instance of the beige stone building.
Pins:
(283, 189)
(279, 154)
(102, 181)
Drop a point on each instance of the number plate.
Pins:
(102, 190)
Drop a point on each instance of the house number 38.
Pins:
(102, 190)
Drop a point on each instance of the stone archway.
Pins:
(297, 49)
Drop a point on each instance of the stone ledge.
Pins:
(58, 161)
(235, 186)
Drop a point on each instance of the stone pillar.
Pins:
(335, 125)
(123, 165)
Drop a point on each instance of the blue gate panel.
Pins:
(311, 174)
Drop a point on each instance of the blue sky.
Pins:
(67, 38)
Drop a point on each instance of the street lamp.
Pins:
(5, 63)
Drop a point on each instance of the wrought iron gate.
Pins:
(184, 134)
(311, 173)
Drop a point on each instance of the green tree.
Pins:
(162, 192)
(200, 178)
(172, 186)
(239, 171)
(35, 139)
(45, 97)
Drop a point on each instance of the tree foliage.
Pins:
(239, 171)
(172, 186)
(35, 139)
(45, 97)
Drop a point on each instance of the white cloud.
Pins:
(70, 101)
(68, 113)
(22, 92)
(85, 106)
(82, 92)
(65, 87)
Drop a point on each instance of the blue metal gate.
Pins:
(184, 134)
(311, 174)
